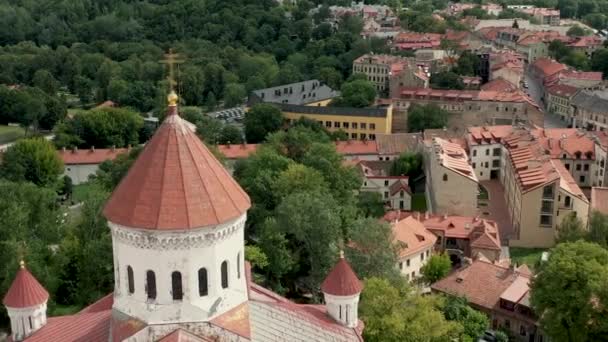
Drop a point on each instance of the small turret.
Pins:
(341, 290)
(25, 302)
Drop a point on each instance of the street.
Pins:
(535, 91)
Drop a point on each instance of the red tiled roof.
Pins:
(566, 181)
(91, 156)
(25, 291)
(548, 66)
(342, 280)
(482, 283)
(176, 183)
(352, 147)
(80, 327)
(400, 184)
(240, 151)
(105, 303)
(180, 335)
(412, 236)
(562, 90)
(235, 320)
(499, 84)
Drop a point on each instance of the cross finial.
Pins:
(171, 59)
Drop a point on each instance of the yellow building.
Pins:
(359, 123)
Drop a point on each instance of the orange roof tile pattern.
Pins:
(599, 199)
(175, 184)
(566, 143)
(562, 90)
(354, 147)
(411, 236)
(547, 66)
(516, 96)
(454, 157)
(342, 280)
(482, 135)
(499, 85)
(566, 181)
(482, 283)
(25, 291)
(238, 151)
(91, 156)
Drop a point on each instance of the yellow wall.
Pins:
(382, 124)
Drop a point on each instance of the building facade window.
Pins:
(203, 282)
(445, 177)
(151, 284)
(372, 126)
(363, 125)
(224, 274)
(176, 286)
(238, 266)
(130, 280)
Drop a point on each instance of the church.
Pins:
(177, 221)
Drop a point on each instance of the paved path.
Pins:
(497, 210)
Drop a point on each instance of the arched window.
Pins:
(130, 280)
(151, 284)
(176, 286)
(238, 265)
(203, 284)
(225, 274)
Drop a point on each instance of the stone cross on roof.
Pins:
(171, 59)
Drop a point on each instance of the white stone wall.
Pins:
(412, 271)
(165, 252)
(79, 173)
(343, 309)
(26, 321)
(482, 155)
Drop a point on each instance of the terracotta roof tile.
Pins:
(353, 147)
(176, 183)
(342, 280)
(548, 66)
(90, 156)
(180, 335)
(566, 180)
(238, 151)
(499, 84)
(25, 291)
(412, 236)
(78, 328)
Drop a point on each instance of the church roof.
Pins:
(342, 280)
(175, 184)
(25, 291)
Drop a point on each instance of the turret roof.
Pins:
(342, 280)
(25, 291)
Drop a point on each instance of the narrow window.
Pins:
(224, 274)
(130, 280)
(31, 325)
(347, 310)
(176, 285)
(151, 284)
(203, 284)
(340, 306)
(238, 265)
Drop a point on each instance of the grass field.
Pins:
(10, 133)
(80, 191)
(528, 256)
(419, 202)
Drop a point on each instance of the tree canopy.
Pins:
(261, 120)
(420, 117)
(32, 160)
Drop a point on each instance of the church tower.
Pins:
(341, 290)
(177, 221)
(25, 302)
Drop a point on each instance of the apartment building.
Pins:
(474, 107)
(545, 16)
(378, 69)
(415, 243)
(558, 98)
(309, 93)
(394, 190)
(590, 110)
(359, 123)
(451, 183)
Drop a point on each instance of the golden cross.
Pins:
(171, 59)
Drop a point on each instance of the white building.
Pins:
(80, 164)
(177, 221)
(395, 190)
(416, 246)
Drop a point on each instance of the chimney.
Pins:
(92, 148)
(74, 149)
(113, 148)
(243, 145)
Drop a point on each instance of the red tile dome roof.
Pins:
(175, 184)
(342, 280)
(25, 291)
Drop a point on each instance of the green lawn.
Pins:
(528, 256)
(419, 202)
(80, 191)
(10, 133)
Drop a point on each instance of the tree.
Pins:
(396, 313)
(371, 250)
(234, 94)
(473, 321)
(45, 81)
(568, 293)
(316, 236)
(558, 50)
(515, 24)
(67, 187)
(357, 93)
(33, 160)
(446, 80)
(576, 31)
(468, 62)
(430, 116)
(298, 178)
(370, 204)
(102, 128)
(436, 268)
(209, 129)
(230, 134)
(260, 120)
(111, 172)
(598, 229)
(408, 164)
(570, 229)
(599, 61)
